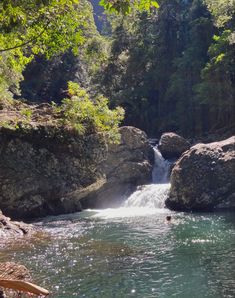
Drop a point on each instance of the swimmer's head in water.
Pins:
(168, 218)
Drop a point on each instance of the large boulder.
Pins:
(45, 170)
(48, 170)
(204, 178)
(172, 145)
(128, 165)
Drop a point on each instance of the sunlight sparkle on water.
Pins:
(127, 212)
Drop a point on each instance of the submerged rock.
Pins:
(128, 165)
(204, 177)
(172, 145)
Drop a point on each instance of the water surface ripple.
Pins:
(90, 254)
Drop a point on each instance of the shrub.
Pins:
(86, 115)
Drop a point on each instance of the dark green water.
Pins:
(115, 254)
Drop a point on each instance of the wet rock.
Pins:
(128, 165)
(12, 229)
(172, 145)
(48, 171)
(12, 271)
(204, 177)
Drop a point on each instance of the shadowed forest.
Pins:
(171, 68)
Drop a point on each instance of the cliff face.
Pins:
(47, 172)
(46, 169)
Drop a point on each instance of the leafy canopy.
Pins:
(86, 115)
(41, 26)
(222, 10)
(30, 27)
(125, 6)
(48, 27)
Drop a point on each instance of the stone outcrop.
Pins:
(12, 271)
(128, 165)
(15, 281)
(172, 145)
(204, 177)
(13, 229)
(45, 170)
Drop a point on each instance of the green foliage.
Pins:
(217, 90)
(26, 113)
(126, 6)
(222, 10)
(46, 79)
(166, 69)
(141, 63)
(29, 28)
(41, 26)
(87, 116)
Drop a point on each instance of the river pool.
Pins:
(132, 252)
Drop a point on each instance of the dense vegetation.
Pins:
(40, 31)
(175, 70)
(170, 68)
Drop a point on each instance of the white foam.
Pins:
(124, 212)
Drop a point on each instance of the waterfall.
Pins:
(161, 168)
(149, 196)
(147, 199)
(153, 195)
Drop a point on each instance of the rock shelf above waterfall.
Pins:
(172, 145)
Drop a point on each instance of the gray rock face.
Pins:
(12, 229)
(128, 165)
(46, 171)
(204, 177)
(172, 145)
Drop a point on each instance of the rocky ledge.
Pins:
(127, 165)
(13, 229)
(12, 271)
(204, 178)
(46, 169)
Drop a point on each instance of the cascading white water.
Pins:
(149, 196)
(161, 168)
(148, 199)
(153, 195)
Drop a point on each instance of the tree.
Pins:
(33, 27)
(126, 6)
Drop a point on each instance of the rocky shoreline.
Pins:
(14, 229)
